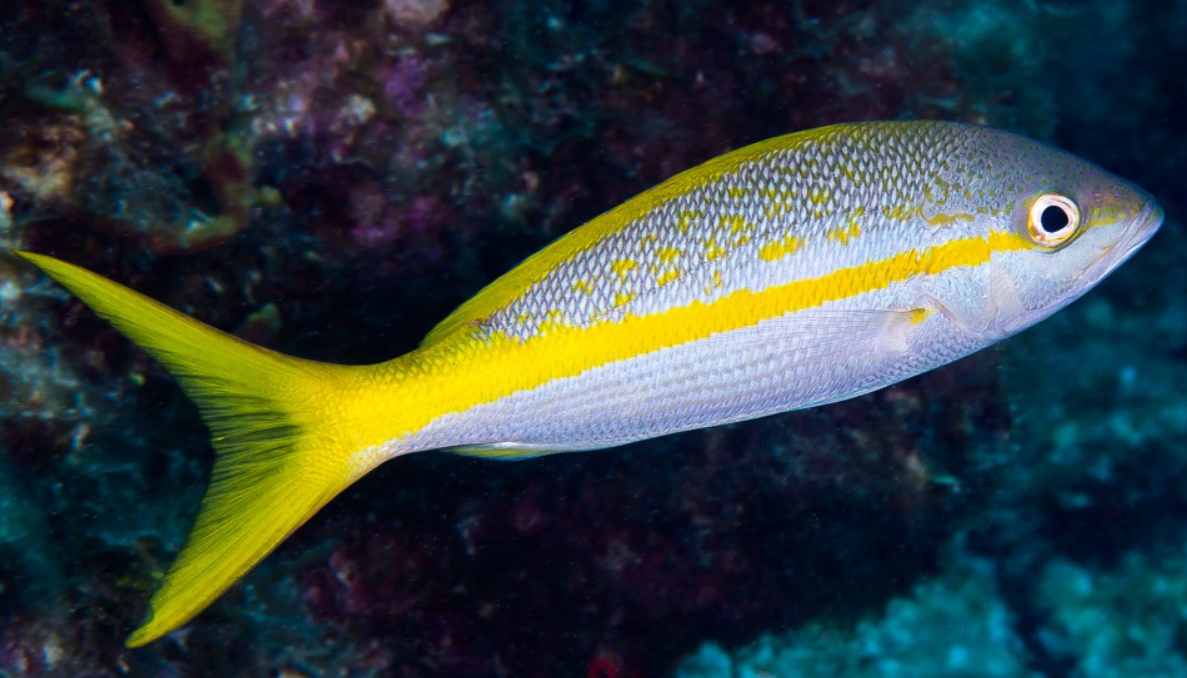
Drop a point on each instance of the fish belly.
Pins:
(802, 359)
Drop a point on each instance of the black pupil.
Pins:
(1053, 219)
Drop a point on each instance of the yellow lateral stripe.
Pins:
(516, 281)
(508, 365)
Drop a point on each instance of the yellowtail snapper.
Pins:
(798, 271)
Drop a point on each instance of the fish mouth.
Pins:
(1138, 233)
(1147, 224)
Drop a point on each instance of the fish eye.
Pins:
(1053, 220)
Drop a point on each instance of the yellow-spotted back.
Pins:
(790, 207)
(679, 241)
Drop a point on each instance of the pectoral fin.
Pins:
(825, 333)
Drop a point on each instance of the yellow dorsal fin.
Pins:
(280, 454)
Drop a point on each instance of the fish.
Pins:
(795, 272)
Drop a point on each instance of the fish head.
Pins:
(1059, 226)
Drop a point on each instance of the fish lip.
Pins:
(1147, 224)
(1139, 232)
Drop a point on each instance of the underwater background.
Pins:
(332, 177)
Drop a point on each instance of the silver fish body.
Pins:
(800, 271)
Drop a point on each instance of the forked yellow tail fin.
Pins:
(281, 452)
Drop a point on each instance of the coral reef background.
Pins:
(258, 164)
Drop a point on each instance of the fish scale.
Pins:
(796, 272)
(718, 228)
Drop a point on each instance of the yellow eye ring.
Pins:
(1053, 220)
